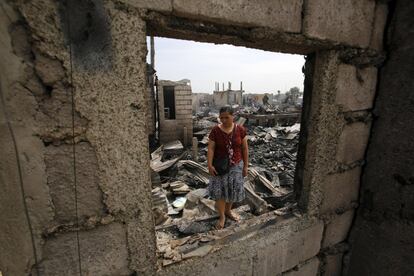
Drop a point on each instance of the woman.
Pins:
(227, 140)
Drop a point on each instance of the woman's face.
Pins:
(226, 119)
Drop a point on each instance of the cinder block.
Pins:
(285, 254)
(345, 21)
(185, 121)
(377, 38)
(181, 108)
(103, 252)
(333, 265)
(340, 190)
(186, 117)
(183, 88)
(310, 268)
(184, 112)
(156, 5)
(355, 88)
(59, 170)
(183, 103)
(337, 230)
(276, 14)
(353, 142)
(179, 103)
(183, 91)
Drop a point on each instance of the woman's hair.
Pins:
(227, 109)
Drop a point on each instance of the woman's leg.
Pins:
(229, 213)
(221, 207)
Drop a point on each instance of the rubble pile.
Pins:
(274, 150)
(184, 215)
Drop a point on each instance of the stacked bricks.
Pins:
(113, 128)
(183, 112)
(174, 129)
(339, 128)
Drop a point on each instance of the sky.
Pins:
(206, 63)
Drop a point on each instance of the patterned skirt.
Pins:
(230, 186)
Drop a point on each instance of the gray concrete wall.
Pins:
(220, 98)
(383, 233)
(110, 117)
(201, 97)
(171, 130)
(109, 155)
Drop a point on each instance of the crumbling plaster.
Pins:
(110, 122)
(110, 180)
(22, 158)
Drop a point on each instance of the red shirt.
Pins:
(222, 139)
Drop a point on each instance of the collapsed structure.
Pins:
(228, 96)
(175, 111)
(75, 166)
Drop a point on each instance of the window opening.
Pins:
(169, 102)
(271, 115)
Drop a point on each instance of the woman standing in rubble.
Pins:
(227, 158)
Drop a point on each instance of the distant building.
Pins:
(175, 111)
(202, 100)
(227, 97)
(258, 99)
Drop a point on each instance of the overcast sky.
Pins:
(205, 63)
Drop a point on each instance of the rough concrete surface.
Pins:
(340, 190)
(347, 21)
(279, 14)
(355, 95)
(103, 251)
(383, 248)
(337, 229)
(308, 268)
(121, 141)
(108, 64)
(353, 142)
(59, 168)
(21, 120)
(280, 256)
(377, 38)
(324, 130)
(276, 249)
(382, 236)
(333, 265)
(156, 5)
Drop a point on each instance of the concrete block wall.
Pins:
(239, 98)
(184, 112)
(220, 99)
(171, 130)
(198, 97)
(338, 131)
(151, 111)
(110, 128)
(382, 234)
(288, 246)
(105, 148)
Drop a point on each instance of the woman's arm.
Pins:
(210, 155)
(245, 155)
